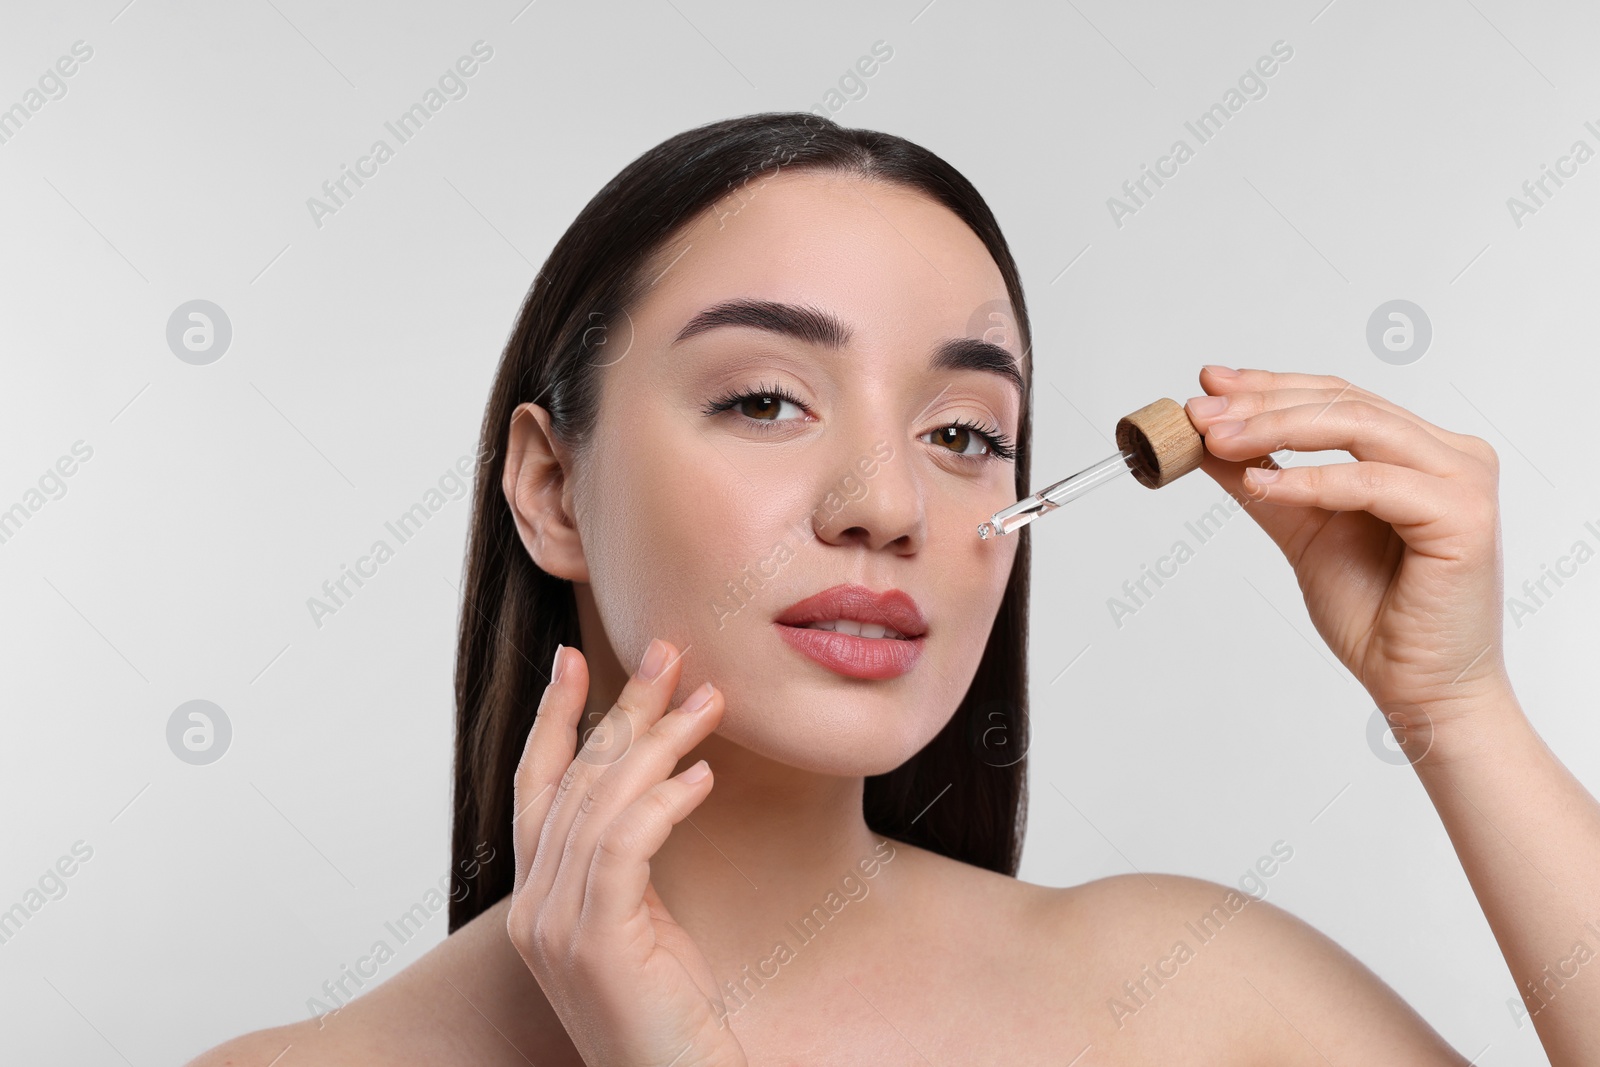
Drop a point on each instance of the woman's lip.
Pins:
(856, 657)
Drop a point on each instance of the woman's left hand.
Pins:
(1397, 554)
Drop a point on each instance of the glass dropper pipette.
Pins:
(1053, 496)
(1156, 444)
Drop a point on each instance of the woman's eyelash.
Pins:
(1001, 447)
(728, 400)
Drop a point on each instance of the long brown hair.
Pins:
(963, 795)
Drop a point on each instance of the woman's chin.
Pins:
(855, 747)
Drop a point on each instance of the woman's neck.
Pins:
(769, 846)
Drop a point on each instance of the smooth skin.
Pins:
(610, 952)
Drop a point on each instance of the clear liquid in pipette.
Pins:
(1048, 499)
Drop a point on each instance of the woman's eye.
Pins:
(762, 404)
(762, 407)
(989, 444)
(960, 436)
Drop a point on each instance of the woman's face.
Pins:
(703, 528)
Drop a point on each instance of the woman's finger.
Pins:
(1366, 431)
(643, 701)
(546, 754)
(647, 765)
(1247, 403)
(619, 871)
(1400, 496)
(1263, 381)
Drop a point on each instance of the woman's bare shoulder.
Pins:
(292, 1045)
(1163, 955)
(388, 1025)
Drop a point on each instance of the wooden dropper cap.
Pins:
(1165, 444)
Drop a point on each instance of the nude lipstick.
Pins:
(856, 632)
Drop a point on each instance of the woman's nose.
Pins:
(876, 501)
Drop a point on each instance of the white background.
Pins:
(218, 498)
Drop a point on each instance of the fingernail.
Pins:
(555, 665)
(695, 773)
(1263, 474)
(1221, 371)
(698, 699)
(655, 659)
(1207, 406)
(1225, 429)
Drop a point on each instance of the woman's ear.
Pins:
(539, 491)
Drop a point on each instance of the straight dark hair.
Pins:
(963, 795)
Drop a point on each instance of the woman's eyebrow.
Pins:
(818, 327)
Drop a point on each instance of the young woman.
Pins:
(766, 386)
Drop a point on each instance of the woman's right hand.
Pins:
(628, 984)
